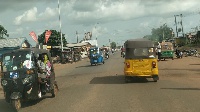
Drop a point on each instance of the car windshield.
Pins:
(15, 61)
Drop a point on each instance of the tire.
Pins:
(155, 79)
(127, 79)
(16, 104)
(54, 90)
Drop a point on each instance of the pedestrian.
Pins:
(159, 51)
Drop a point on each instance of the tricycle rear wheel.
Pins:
(16, 103)
(55, 89)
(127, 79)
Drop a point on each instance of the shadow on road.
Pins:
(180, 69)
(118, 79)
(99, 64)
(194, 64)
(34, 102)
(84, 66)
(6, 107)
(182, 88)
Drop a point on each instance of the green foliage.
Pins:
(113, 45)
(54, 39)
(159, 34)
(3, 32)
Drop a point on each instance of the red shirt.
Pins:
(123, 49)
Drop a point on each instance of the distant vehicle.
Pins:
(167, 50)
(96, 56)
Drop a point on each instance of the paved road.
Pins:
(85, 88)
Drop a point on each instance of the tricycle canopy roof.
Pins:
(34, 50)
(137, 43)
(166, 46)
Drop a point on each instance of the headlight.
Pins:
(26, 80)
(4, 82)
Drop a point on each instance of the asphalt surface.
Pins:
(86, 88)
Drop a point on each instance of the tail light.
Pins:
(154, 64)
(127, 64)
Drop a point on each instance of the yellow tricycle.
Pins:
(140, 60)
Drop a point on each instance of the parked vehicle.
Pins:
(140, 60)
(23, 79)
(179, 54)
(96, 56)
(67, 57)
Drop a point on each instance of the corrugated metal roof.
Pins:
(12, 42)
(59, 47)
(77, 44)
(92, 42)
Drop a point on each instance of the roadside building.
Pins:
(8, 44)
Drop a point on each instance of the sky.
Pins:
(114, 20)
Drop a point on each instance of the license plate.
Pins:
(95, 60)
(14, 75)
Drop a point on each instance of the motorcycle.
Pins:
(106, 55)
(179, 54)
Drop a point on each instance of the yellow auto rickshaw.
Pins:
(140, 60)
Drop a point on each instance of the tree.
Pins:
(159, 34)
(54, 39)
(3, 32)
(113, 45)
(162, 33)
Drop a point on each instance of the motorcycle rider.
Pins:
(122, 51)
(179, 54)
(107, 53)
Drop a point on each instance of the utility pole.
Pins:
(60, 26)
(181, 24)
(77, 36)
(176, 25)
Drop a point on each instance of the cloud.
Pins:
(98, 31)
(27, 16)
(18, 31)
(48, 13)
(82, 12)
(85, 6)
(20, 5)
(33, 15)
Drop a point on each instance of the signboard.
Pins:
(33, 35)
(47, 35)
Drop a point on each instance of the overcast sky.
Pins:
(116, 20)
